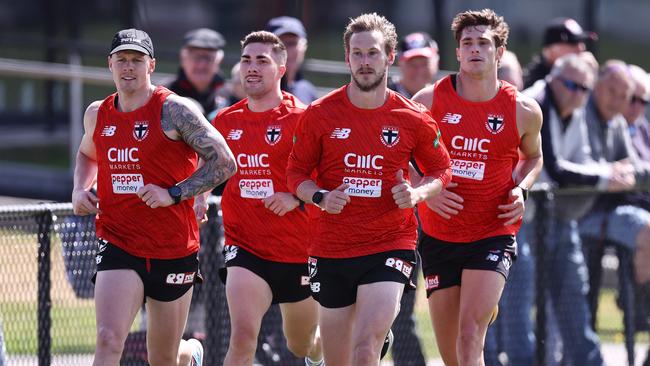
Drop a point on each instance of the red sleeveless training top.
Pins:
(132, 151)
(483, 140)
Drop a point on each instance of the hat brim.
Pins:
(130, 47)
(202, 44)
(419, 52)
(289, 30)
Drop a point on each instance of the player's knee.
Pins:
(300, 348)
(301, 343)
(243, 339)
(162, 357)
(468, 335)
(109, 341)
(449, 357)
(366, 352)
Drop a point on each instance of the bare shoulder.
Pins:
(529, 114)
(90, 115)
(425, 96)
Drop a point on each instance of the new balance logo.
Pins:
(109, 131)
(451, 118)
(234, 134)
(340, 133)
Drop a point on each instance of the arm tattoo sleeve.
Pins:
(197, 132)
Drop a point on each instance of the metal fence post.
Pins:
(44, 221)
(215, 344)
(544, 204)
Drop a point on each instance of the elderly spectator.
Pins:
(613, 219)
(199, 76)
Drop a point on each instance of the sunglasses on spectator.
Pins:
(574, 87)
(639, 100)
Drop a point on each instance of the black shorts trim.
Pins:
(163, 279)
(289, 282)
(334, 281)
(443, 262)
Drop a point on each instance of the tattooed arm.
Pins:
(181, 120)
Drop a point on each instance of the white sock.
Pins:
(310, 362)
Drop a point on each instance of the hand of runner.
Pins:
(334, 201)
(404, 194)
(155, 196)
(515, 210)
(446, 203)
(84, 202)
(201, 209)
(281, 203)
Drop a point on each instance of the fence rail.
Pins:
(46, 306)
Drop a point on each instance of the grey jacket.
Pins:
(567, 155)
(610, 141)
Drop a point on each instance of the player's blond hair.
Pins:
(368, 23)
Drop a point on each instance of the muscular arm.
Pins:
(181, 120)
(529, 123)
(85, 172)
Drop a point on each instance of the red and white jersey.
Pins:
(364, 148)
(132, 151)
(261, 143)
(483, 141)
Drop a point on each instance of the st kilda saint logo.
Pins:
(494, 123)
(389, 136)
(273, 135)
(312, 265)
(141, 130)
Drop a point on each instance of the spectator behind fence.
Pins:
(635, 113)
(145, 134)
(294, 36)
(512, 332)
(562, 36)
(568, 163)
(418, 63)
(199, 75)
(612, 218)
(639, 127)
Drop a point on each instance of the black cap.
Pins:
(566, 30)
(417, 44)
(132, 39)
(284, 25)
(204, 38)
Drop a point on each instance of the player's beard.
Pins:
(371, 85)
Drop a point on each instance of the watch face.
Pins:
(317, 197)
(175, 191)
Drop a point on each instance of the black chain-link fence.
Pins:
(47, 313)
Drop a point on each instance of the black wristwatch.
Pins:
(176, 193)
(318, 196)
(524, 192)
